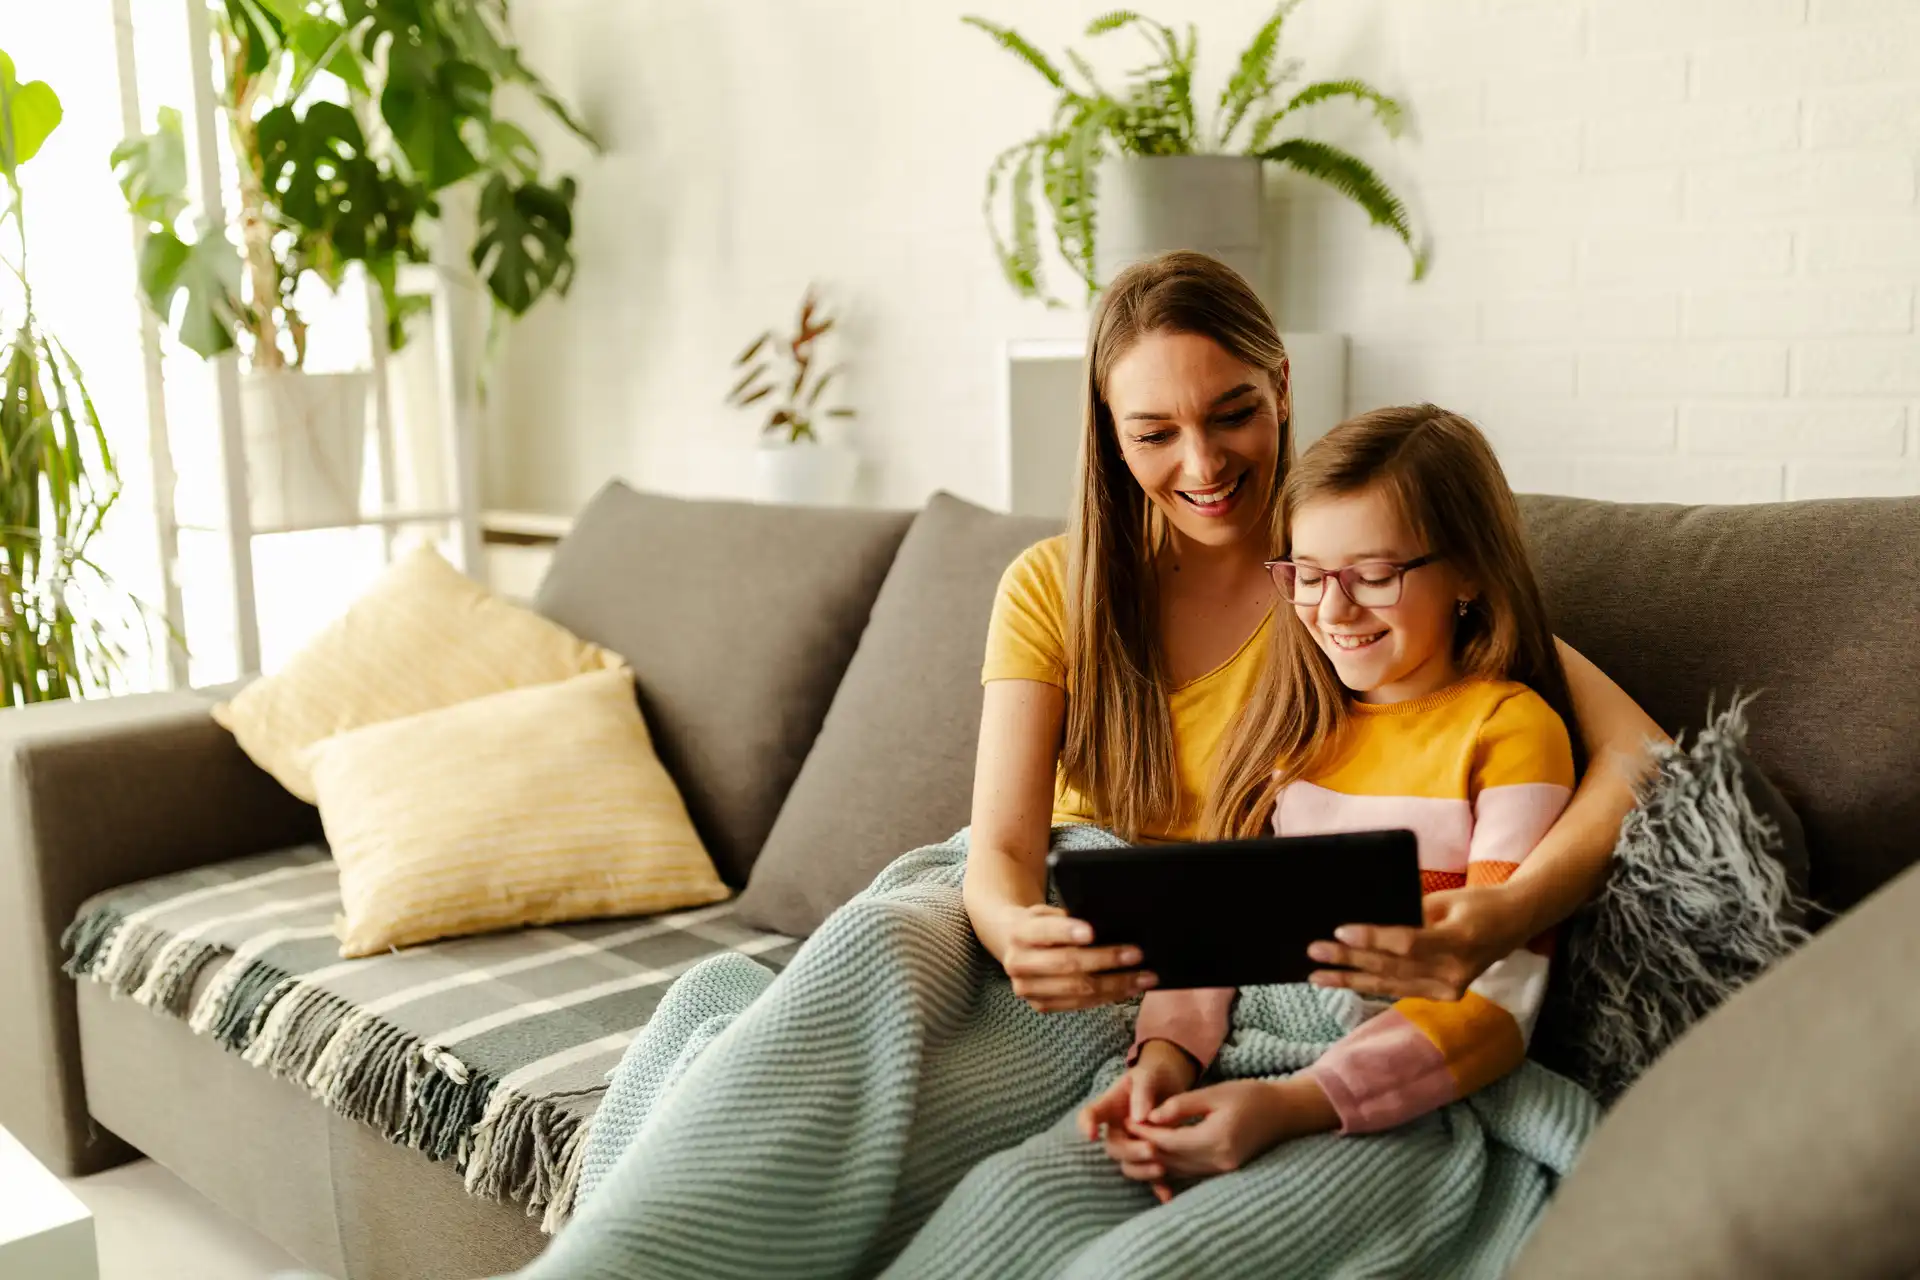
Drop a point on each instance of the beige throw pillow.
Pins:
(526, 807)
(423, 636)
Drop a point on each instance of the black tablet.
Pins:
(1239, 913)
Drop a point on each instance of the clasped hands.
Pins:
(1160, 1130)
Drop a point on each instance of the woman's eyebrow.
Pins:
(1225, 396)
(1363, 558)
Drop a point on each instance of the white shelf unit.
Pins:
(1040, 406)
(459, 469)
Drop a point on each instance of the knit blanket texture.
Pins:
(886, 1104)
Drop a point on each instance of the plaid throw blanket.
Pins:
(490, 1051)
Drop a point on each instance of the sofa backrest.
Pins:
(1814, 606)
(738, 621)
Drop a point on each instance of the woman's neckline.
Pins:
(1266, 620)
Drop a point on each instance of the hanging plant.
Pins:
(1156, 114)
(349, 120)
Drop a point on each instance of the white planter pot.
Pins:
(1152, 204)
(808, 474)
(306, 437)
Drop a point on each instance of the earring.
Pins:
(1460, 607)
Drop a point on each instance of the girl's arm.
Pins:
(1422, 1054)
(1467, 930)
(1043, 951)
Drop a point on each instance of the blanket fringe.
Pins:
(87, 938)
(528, 1151)
(168, 984)
(128, 955)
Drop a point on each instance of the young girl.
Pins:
(1415, 685)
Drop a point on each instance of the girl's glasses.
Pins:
(1373, 585)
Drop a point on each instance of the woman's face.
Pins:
(1200, 432)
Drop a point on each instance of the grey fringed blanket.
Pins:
(490, 1051)
(811, 1125)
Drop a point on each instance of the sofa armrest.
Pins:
(95, 795)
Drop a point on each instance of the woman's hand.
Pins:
(1466, 931)
(1216, 1130)
(1055, 968)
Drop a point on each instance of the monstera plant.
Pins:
(349, 119)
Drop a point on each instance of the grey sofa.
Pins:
(811, 680)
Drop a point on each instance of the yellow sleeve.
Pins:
(1522, 742)
(1027, 635)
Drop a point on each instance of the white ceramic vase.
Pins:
(306, 437)
(1152, 204)
(807, 473)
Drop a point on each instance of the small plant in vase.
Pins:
(797, 462)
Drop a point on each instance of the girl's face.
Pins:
(1200, 432)
(1383, 653)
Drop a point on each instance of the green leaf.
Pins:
(425, 103)
(208, 273)
(1252, 78)
(28, 114)
(1111, 21)
(1018, 45)
(259, 30)
(320, 44)
(1353, 178)
(510, 149)
(152, 169)
(523, 247)
(1387, 110)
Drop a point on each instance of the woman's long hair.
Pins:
(1118, 743)
(1441, 473)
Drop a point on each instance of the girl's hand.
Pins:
(1224, 1126)
(1055, 968)
(1162, 1070)
(1466, 931)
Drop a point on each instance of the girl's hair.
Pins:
(1118, 743)
(1441, 473)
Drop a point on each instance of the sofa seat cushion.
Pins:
(488, 1051)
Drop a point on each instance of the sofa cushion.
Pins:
(1812, 605)
(533, 806)
(893, 766)
(738, 621)
(1776, 1140)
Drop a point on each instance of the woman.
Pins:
(1154, 604)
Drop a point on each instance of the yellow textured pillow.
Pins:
(423, 636)
(526, 807)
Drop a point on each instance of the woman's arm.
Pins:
(1042, 950)
(1468, 929)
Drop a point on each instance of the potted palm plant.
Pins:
(57, 475)
(1129, 173)
(348, 121)
(804, 456)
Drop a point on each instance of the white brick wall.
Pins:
(1707, 210)
(1676, 242)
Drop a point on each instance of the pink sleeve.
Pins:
(1194, 1018)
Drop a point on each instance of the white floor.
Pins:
(151, 1226)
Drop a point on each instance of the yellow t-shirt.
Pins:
(1027, 640)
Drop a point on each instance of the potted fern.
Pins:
(1126, 174)
(57, 475)
(348, 121)
(804, 456)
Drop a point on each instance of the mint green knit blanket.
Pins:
(886, 1104)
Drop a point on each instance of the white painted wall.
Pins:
(1676, 241)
